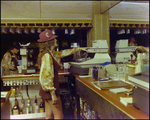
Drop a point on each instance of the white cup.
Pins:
(66, 66)
(19, 69)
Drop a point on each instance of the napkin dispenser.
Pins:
(99, 73)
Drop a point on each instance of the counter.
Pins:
(106, 103)
(5, 113)
(29, 76)
(33, 90)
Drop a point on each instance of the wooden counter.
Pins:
(106, 103)
(29, 76)
(5, 107)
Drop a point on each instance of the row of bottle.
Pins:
(86, 112)
(21, 82)
(28, 108)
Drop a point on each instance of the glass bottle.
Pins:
(22, 106)
(41, 106)
(15, 109)
(10, 108)
(28, 107)
(35, 106)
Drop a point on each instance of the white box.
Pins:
(23, 51)
(100, 44)
(122, 43)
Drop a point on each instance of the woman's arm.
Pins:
(66, 52)
(46, 77)
(6, 60)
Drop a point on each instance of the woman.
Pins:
(132, 42)
(7, 58)
(49, 65)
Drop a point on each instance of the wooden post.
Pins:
(100, 30)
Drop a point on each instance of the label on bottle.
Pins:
(21, 112)
(41, 110)
(15, 112)
(36, 109)
(28, 110)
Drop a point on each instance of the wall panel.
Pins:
(20, 9)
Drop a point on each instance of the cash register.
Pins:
(140, 91)
(100, 51)
(123, 50)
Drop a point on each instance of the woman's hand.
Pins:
(54, 98)
(11, 66)
(84, 48)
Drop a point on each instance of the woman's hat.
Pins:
(15, 45)
(46, 36)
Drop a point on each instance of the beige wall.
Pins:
(95, 13)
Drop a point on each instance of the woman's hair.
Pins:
(43, 46)
(15, 45)
(46, 45)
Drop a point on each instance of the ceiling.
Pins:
(137, 11)
(125, 10)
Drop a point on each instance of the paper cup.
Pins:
(19, 69)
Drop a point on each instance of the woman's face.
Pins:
(56, 43)
(16, 50)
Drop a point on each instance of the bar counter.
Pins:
(106, 103)
(29, 76)
(5, 107)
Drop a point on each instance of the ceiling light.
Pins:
(39, 30)
(128, 31)
(26, 30)
(4, 30)
(53, 30)
(32, 30)
(143, 31)
(121, 31)
(72, 31)
(137, 31)
(18, 30)
(11, 30)
(66, 31)
(46, 28)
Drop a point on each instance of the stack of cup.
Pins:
(20, 66)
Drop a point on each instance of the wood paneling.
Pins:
(106, 5)
(113, 107)
(20, 9)
(67, 9)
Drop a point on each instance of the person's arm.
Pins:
(6, 60)
(47, 73)
(66, 52)
(47, 76)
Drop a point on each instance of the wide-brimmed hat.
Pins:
(46, 36)
(15, 45)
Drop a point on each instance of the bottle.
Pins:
(10, 108)
(41, 106)
(75, 108)
(28, 107)
(15, 109)
(35, 106)
(22, 106)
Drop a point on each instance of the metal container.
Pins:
(99, 73)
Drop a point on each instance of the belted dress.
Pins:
(50, 65)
